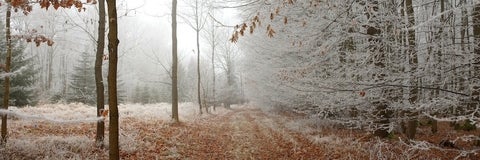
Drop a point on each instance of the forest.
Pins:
(240, 79)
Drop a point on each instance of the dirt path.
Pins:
(239, 134)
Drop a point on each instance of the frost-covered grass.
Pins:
(51, 147)
(67, 131)
(64, 113)
(58, 131)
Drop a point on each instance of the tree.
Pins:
(83, 81)
(142, 94)
(113, 42)
(413, 63)
(475, 91)
(38, 39)
(21, 84)
(174, 63)
(121, 92)
(198, 24)
(8, 58)
(213, 40)
(226, 59)
(98, 71)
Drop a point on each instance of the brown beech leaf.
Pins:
(50, 42)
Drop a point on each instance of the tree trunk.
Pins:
(434, 127)
(6, 94)
(413, 62)
(64, 77)
(174, 63)
(381, 106)
(112, 80)
(213, 63)
(213, 77)
(50, 68)
(230, 82)
(197, 29)
(475, 93)
(98, 71)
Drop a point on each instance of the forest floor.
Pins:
(242, 132)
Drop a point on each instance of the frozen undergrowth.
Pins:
(140, 125)
(28, 145)
(78, 113)
(51, 148)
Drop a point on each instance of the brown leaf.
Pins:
(50, 42)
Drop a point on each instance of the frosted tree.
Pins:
(199, 15)
(26, 7)
(408, 59)
(83, 81)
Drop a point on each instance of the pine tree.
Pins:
(82, 86)
(121, 92)
(21, 90)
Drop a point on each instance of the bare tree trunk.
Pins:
(213, 76)
(98, 71)
(438, 60)
(475, 93)
(64, 77)
(413, 62)
(50, 53)
(214, 45)
(230, 82)
(197, 29)
(112, 79)
(6, 94)
(174, 63)
(381, 106)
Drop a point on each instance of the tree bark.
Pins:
(475, 93)
(8, 60)
(413, 62)
(98, 71)
(197, 30)
(381, 106)
(174, 63)
(213, 45)
(112, 79)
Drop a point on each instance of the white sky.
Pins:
(157, 13)
(146, 30)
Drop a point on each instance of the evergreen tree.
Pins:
(21, 90)
(82, 86)
(121, 92)
(142, 94)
